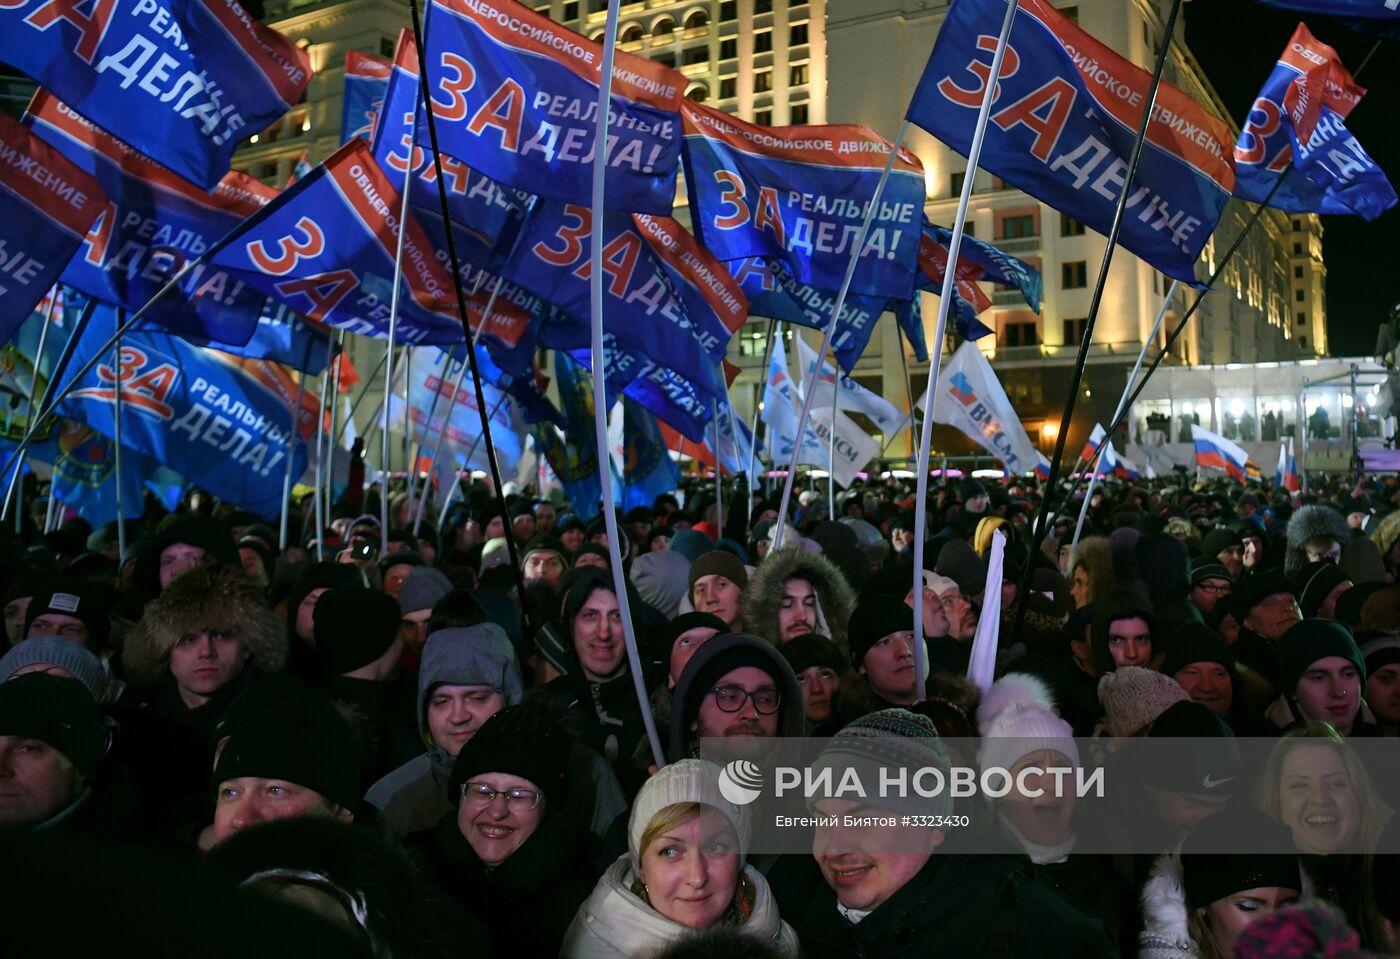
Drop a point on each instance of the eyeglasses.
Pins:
(1215, 588)
(519, 800)
(731, 699)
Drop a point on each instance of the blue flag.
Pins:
(665, 297)
(574, 459)
(1063, 124)
(47, 204)
(1297, 121)
(773, 291)
(283, 337)
(325, 247)
(366, 79)
(221, 421)
(647, 467)
(515, 97)
(85, 474)
(153, 224)
(184, 81)
(995, 265)
(1366, 16)
(799, 194)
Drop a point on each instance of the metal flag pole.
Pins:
(908, 391)
(1038, 531)
(117, 433)
(945, 300)
(331, 444)
(719, 481)
(410, 447)
(758, 403)
(830, 333)
(455, 263)
(600, 403)
(291, 452)
(831, 438)
(457, 473)
(322, 432)
(355, 404)
(1118, 411)
(393, 332)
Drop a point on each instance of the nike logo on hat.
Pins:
(1210, 782)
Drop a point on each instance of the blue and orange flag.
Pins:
(366, 80)
(184, 81)
(1063, 124)
(47, 204)
(515, 96)
(799, 194)
(1298, 123)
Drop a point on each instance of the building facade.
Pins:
(858, 61)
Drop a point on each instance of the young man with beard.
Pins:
(739, 688)
(717, 581)
(794, 592)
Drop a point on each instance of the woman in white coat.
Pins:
(684, 870)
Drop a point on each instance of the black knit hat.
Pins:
(667, 634)
(57, 711)
(301, 739)
(727, 652)
(804, 652)
(1309, 640)
(80, 598)
(1315, 581)
(1208, 567)
(1196, 643)
(873, 620)
(1210, 767)
(1209, 876)
(1218, 540)
(1253, 590)
(353, 628)
(524, 741)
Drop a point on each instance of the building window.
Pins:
(1073, 330)
(1074, 275)
(798, 114)
(797, 74)
(665, 27)
(696, 19)
(1020, 334)
(1017, 227)
(697, 93)
(762, 6)
(696, 55)
(1303, 342)
(1302, 319)
(1297, 225)
(569, 11)
(1299, 295)
(597, 6)
(763, 41)
(728, 49)
(1297, 273)
(797, 34)
(763, 81)
(666, 59)
(728, 11)
(763, 118)
(1297, 248)
(728, 88)
(630, 33)
(1069, 226)
(955, 183)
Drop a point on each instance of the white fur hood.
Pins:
(1164, 935)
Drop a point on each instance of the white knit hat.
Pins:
(684, 781)
(1017, 717)
(1133, 697)
(939, 584)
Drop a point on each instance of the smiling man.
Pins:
(890, 893)
(737, 688)
(1321, 677)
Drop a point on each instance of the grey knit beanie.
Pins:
(85, 667)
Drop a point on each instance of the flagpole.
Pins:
(945, 301)
(831, 438)
(394, 327)
(355, 404)
(291, 452)
(758, 402)
(455, 263)
(331, 444)
(908, 390)
(33, 395)
(322, 432)
(117, 433)
(830, 332)
(410, 448)
(1118, 412)
(457, 473)
(1076, 377)
(719, 483)
(49, 405)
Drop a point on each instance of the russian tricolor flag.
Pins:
(1287, 474)
(1216, 452)
(1091, 446)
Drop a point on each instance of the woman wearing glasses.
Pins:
(684, 870)
(507, 852)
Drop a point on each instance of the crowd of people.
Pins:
(392, 742)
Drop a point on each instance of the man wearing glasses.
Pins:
(737, 688)
(1210, 582)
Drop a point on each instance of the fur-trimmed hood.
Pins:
(764, 594)
(1307, 523)
(1165, 934)
(207, 596)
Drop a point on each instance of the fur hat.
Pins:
(1132, 697)
(1309, 523)
(206, 596)
(764, 594)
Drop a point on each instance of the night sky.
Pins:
(1237, 42)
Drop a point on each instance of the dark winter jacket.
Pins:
(527, 901)
(980, 906)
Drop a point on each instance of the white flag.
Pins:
(971, 399)
(854, 397)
